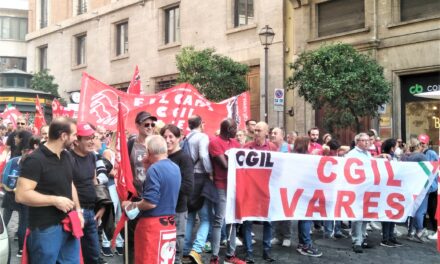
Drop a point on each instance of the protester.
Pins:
(10, 143)
(137, 151)
(217, 149)
(305, 246)
(46, 186)
(260, 142)
(250, 129)
(84, 178)
(431, 155)
(44, 133)
(199, 203)
(156, 230)
(358, 228)
(314, 147)
(291, 137)
(283, 229)
(171, 134)
(416, 231)
(241, 137)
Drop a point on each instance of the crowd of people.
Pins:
(62, 184)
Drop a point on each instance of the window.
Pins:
(165, 84)
(410, 9)
(13, 28)
(12, 63)
(80, 50)
(243, 12)
(42, 58)
(82, 7)
(43, 13)
(172, 25)
(338, 16)
(121, 38)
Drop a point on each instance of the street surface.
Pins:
(338, 251)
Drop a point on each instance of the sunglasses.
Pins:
(21, 123)
(147, 125)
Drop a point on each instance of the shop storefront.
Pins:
(420, 115)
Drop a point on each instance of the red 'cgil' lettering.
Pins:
(391, 181)
(358, 172)
(322, 162)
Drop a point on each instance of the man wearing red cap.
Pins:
(431, 155)
(84, 178)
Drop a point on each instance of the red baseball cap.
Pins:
(84, 130)
(423, 138)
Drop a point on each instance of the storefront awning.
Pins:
(430, 95)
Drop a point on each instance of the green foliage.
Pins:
(347, 84)
(217, 77)
(44, 81)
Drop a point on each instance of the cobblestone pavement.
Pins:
(338, 251)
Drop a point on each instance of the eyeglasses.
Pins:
(19, 123)
(363, 140)
(147, 125)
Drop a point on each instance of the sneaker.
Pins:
(224, 242)
(268, 258)
(252, 234)
(358, 249)
(433, 236)
(397, 233)
(299, 248)
(286, 243)
(214, 260)
(208, 248)
(386, 243)
(120, 251)
(19, 253)
(233, 260)
(396, 243)
(365, 244)
(249, 260)
(195, 257)
(275, 241)
(420, 236)
(107, 252)
(339, 235)
(253, 241)
(310, 251)
(415, 238)
(238, 242)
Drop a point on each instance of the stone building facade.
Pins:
(108, 38)
(402, 35)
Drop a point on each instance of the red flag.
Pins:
(39, 120)
(135, 84)
(56, 108)
(10, 115)
(124, 176)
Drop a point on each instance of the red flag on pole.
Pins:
(135, 84)
(39, 120)
(56, 108)
(124, 176)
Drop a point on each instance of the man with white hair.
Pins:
(156, 229)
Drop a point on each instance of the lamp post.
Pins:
(266, 37)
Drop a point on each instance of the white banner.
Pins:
(272, 186)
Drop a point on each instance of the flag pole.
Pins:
(126, 242)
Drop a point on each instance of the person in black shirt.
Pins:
(171, 133)
(10, 142)
(45, 185)
(84, 179)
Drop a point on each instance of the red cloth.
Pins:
(268, 146)
(135, 83)
(218, 147)
(313, 146)
(39, 120)
(155, 240)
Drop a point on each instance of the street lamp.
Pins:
(266, 37)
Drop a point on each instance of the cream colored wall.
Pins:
(203, 24)
(13, 48)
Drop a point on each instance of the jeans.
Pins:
(202, 232)
(90, 241)
(118, 212)
(332, 227)
(181, 219)
(419, 216)
(52, 245)
(219, 217)
(304, 227)
(267, 237)
(283, 230)
(23, 215)
(358, 230)
(388, 231)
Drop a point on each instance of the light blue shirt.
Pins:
(358, 153)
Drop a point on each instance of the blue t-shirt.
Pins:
(161, 187)
(11, 165)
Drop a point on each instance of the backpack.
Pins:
(186, 148)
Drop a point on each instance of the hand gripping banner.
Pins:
(273, 186)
